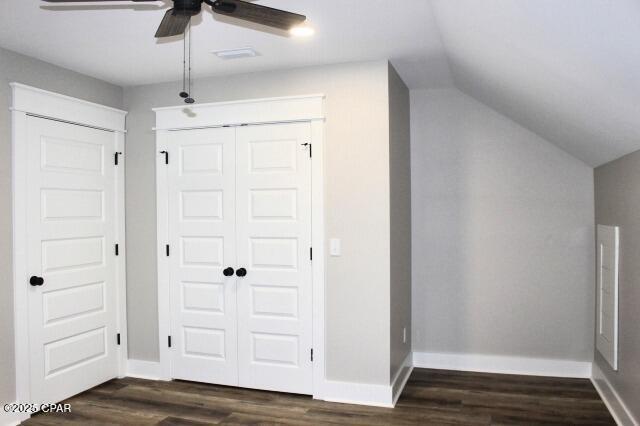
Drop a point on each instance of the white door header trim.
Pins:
(235, 113)
(43, 103)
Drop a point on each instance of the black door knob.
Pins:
(241, 272)
(36, 281)
(228, 272)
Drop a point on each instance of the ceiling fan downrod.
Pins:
(186, 67)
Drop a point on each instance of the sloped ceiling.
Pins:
(568, 70)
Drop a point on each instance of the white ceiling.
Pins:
(566, 70)
(117, 44)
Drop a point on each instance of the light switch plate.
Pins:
(335, 248)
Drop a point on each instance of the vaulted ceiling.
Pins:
(566, 70)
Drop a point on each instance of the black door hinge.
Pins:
(310, 253)
(116, 155)
(311, 354)
(117, 250)
(310, 148)
(169, 341)
(118, 339)
(167, 249)
(166, 156)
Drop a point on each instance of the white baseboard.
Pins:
(612, 400)
(503, 364)
(402, 376)
(358, 393)
(12, 419)
(139, 369)
(369, 394)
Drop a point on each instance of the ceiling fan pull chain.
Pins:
(189, 99)
(184, 93)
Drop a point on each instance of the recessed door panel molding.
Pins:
(62, 204)
(202, 205)
(75, 351)
(272, 349)
(73, 302)
(202, 251)
(273, 253)
(71, 156)
(201, 159)
(608, 239)
(203, 297)
(240, 298)
(73, 223)
(273, 204)
(73, 253)
(274, 301)
(273, 156)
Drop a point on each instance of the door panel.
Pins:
(202, 240)
(273, 223)
(71, 229)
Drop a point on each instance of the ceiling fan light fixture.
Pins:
(302, 31)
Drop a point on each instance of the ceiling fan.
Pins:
(177, 18)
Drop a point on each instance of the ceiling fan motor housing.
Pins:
(187, 7)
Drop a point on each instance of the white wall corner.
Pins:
(150, 370)
(612, 400)
(401, 378)
(503, 364)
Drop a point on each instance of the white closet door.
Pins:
(274, 240)
(70, 252)
(202, 246)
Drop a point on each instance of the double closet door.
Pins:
(240, 256)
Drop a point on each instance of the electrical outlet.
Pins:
(404, 335)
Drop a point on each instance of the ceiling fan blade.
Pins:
(258, 14)
(94, 1)
(172, 24)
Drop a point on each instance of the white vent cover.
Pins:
(608, 271)
(243, 52)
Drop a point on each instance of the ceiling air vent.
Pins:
(243, 52)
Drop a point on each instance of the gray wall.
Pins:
(617, 189)
(357, 206)
(18, 68)
(400, 181)
(503, 236)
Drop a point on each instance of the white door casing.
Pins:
(202, 236)
(273, 225)
(239, 198)
(607, 293)
(70, 244)
(306, 110)
(68, 212)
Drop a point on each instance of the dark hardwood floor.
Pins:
(431, 397)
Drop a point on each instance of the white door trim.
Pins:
(30, 101)
(258, 111)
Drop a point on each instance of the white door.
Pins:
(202, 246)
(70, 252)
(273, 225)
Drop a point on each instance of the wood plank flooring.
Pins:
(431, 397)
